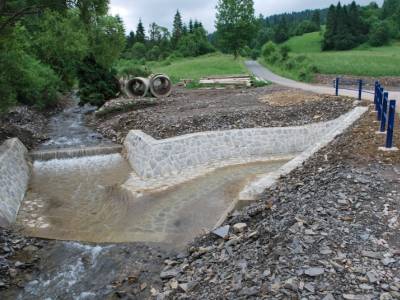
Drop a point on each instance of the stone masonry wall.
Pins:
(14, 178)
(152, 158)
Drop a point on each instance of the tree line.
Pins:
(349, 26)
(159, 43)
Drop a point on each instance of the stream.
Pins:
(81, 201)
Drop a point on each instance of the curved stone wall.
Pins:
(14, 178)
(154, 159)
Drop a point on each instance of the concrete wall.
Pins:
(152, 158)
(14, 178)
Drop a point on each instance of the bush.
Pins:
(284, 52)
(96, 84)
(379, 35)
(138, 51)
(268, 49)
(154, 54)
(23, 78)
(255, 54)
(245, 51)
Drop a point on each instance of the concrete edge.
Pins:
(254, 190)
(15, 146)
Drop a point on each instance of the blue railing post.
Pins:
(384, 112)
(360, 88)
(378, 90)
(337, 86)
(390, 129)
(380, 100)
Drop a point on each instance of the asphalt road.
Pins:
(263, 73)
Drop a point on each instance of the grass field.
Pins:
(195, 68)
(362, 61)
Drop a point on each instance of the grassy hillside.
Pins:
(365, 60)
(195, 68)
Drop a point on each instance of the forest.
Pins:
(48, 48)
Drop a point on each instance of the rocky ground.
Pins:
(328, 230)
(188, 111)
(26, 123)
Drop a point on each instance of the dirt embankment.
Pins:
(189, 111)
(329, 230)
(27, 124)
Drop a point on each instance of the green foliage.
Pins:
(130, 68)
(61, 42)
(23, 78)
(96, 83)
(154, 53)
(379, 35)
(107, 40)
(140, 34)
(299, 66)
(235, 24)
(306, 26)
(177, 30)
(361, 61)
(138, 51)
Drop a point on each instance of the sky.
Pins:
(163, 11)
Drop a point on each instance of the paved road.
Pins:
(262, 72)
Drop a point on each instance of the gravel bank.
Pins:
(329, 230)
(189, 111)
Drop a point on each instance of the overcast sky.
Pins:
(162, 11)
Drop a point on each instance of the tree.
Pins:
(282, 31)
(331, 29)
(235, 24)
(140, 34)
(177, 30)
(316, 18)
(60, 41)
(130, 40)
(107, 40)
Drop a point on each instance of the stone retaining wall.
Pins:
(152, 158)
(14, 178)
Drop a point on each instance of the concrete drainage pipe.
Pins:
(138, 86)
(160, 85)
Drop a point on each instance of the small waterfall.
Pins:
(46, 155)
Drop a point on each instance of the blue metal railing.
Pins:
(385, 117)
(340, 83)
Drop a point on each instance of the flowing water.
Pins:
(81, 199)
(68, 130)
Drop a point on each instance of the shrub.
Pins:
(284, 52)
(379, 35)
(268, 49)
(255, 54)
(138, 51)
(96, 84)
(154, 54)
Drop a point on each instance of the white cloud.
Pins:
(162, 12)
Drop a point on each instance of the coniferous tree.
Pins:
(191, 26)
(177, 30)
(140, 34)
(331, 29)
(130, 40)
(282, 31)
(316, 18)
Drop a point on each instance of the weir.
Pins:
(165, 191)
(45, 155)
